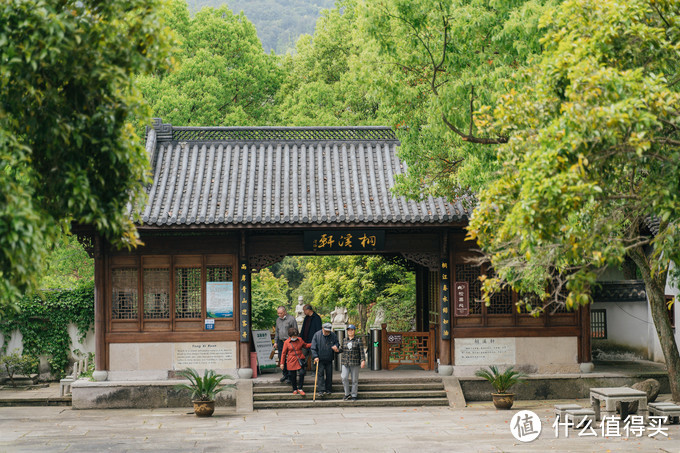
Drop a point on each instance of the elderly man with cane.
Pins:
(324, 345)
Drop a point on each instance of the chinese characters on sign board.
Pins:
(444, 293)
(220, 299)
(462, 298)
(338, 240)
(244, 302)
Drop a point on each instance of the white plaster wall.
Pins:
(16, 342)
(628, 324)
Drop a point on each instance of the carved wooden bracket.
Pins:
(259, 262)
(429, 260)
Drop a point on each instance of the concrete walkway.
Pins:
(478, 428)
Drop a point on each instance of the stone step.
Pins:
(363, 394)
(306, 402)
(363, 386)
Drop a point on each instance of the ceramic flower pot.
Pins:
(204, 408)
(503, 401)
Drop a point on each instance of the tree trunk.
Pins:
(655, 287)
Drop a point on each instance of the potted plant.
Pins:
(502, 382)
(203, 389)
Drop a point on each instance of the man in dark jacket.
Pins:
(324, 345)
(311, 324)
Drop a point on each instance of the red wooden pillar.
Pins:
(100, 358)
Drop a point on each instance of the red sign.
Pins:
(461, 298)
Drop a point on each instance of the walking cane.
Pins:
(316, 377)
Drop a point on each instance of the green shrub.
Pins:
(18, 364)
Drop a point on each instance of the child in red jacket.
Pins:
(291, 354)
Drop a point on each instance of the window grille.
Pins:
(501, 301)
(218, 273)
(124, 293)
(156, 293)
(188, 292)
(598, 324)
(470, 274)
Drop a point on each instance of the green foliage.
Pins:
(67, 149)
(18, 364)
(267, 293)
(278, 22)
(501, 382)
(203, 388)
(591, 152)
(357, 282)
(222, 76)
(43, 323)
(330, 80)
(443, 62)
(398, 304)
(593, 158)
(67, 265)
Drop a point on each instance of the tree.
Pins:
(591, 167)
(441, 63)
(67, 265)
(330, 80)
(268, 292)
(222, 78)
(67, 149)
(356, 282)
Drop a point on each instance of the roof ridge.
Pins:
(168, 132)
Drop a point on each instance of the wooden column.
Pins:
(584, 353)
(245, 331)
(100, 354)
(445, 313)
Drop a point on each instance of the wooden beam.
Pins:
(100, 273)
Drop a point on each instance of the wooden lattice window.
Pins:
(156, 283)
(501, 301)
(470, 274)
(124, 293)
(218, 273)
(598, 324)
(188, 292)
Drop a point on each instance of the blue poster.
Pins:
(220, 299)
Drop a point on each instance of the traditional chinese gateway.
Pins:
(226, 202)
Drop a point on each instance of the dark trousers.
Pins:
(279, 345)
(325, 376)
(295, 382)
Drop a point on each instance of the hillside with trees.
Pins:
(279, 23)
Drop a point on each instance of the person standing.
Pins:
(324, 345)
(353, 358)
(311, 324)
(283, 323)
(290, 359)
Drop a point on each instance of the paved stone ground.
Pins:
(478, 428)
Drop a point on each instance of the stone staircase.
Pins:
(426, 391)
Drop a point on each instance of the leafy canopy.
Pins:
(593, 151)
(67, 149)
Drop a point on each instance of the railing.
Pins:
(407, 348)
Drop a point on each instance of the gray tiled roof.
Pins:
(296, 176)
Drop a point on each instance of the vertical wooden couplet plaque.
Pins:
(445, 299)
(244, 301)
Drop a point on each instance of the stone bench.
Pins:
(578, 416)
(561, 410)
(65, 384)
(665, 409)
